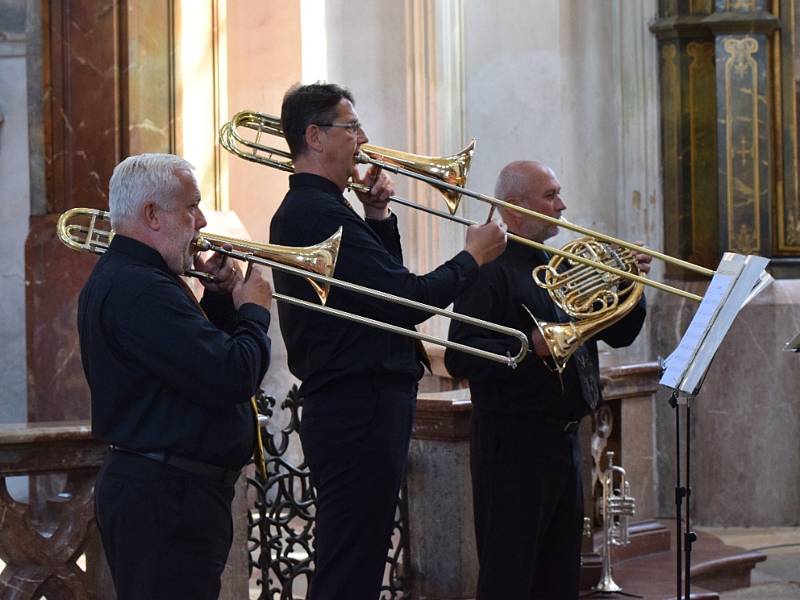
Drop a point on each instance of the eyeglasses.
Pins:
(354, 127)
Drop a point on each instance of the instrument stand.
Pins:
(610, 594)
(612, 590)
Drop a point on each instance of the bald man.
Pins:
(525, 453)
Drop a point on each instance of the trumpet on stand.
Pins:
(618, 507)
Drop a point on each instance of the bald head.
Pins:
(530, 184)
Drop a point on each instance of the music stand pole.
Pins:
(673, 402)
(690, 535)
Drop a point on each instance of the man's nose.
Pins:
(200, 220)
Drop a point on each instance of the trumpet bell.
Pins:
(447, 169)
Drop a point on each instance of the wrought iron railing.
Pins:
(281, 517)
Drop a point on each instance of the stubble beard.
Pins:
(180, 257)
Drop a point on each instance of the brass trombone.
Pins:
(594, 279)
(89, 230)
(448, 176)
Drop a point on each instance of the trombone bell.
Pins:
(447, 169)
(319, 258)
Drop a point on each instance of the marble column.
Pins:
(107, 91)
(14, 210)
(444, 559)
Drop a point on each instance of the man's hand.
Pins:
(486, 242)
(226, 272)
(539, 345)
(643, 260)
(381, 187)
(254, 288)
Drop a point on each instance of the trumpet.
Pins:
(618, 507)
(89, 230)
(595, 279)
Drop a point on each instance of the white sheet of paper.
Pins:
(738, 278)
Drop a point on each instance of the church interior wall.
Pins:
(571, 83)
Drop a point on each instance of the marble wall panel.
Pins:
(14, 211)
(84, 122)
(441, 531)
(84, 113)
(745, 420)
(443, 554)
(638, 456)
(57, 389)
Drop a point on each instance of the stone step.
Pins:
(647, 567)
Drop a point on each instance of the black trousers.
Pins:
(528, 503)
(355, 436)
(166, 533)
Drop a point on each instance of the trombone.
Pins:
(448, 176)
(89, 230)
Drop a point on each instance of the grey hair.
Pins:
(144, 177)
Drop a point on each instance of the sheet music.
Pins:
(737, 280)
(764, 280)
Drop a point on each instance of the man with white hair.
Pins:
(171, 382)
(524, 453)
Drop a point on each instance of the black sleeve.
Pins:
(364, 260)
(489, 299)
(624, 332)
(389, 234)
(220, 310)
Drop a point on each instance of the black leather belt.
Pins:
(212, 472)
(563, 424)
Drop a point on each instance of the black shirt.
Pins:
(503, 286)
(322, 348)
(163, 376)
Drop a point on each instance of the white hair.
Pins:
(142, 178)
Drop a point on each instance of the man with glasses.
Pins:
(359, 383)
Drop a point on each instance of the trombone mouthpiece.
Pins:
(202, 244)
(362, 158)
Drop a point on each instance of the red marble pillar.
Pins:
(85, 136)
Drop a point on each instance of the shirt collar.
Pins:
(297, 180)
(525, 252)
(139, 252)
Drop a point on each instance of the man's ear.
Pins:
(314, 137)
(150, 215)
(510, 216)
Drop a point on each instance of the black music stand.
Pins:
(738, 280)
